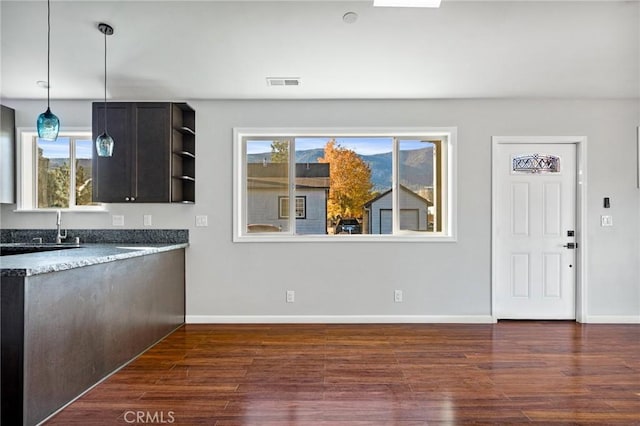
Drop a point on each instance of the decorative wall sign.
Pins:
(535, 163)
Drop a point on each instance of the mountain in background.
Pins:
(309, 155)
(416, 166)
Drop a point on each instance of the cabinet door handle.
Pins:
(133, 198)
(126, 198)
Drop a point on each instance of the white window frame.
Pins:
(26, 169)
(302, 198)
(448, 135)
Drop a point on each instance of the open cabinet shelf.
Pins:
(183, 164)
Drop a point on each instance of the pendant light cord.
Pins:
(48, 49)
(105, 81)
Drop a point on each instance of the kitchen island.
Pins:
(69, 318)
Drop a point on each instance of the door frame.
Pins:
(581, 212)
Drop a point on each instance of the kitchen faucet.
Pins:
(59, 236)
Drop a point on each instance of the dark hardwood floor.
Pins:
(505, 373)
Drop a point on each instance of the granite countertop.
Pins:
(87, 254)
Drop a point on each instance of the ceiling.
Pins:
(181, 50)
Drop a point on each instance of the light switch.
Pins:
(117, 220)
(202, 220)
(146, 220)
(606, 220)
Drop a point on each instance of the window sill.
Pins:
(344, 238)
(88, 210)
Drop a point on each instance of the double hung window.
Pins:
(301, 206)
(56, 174)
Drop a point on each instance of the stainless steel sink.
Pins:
(25, 248)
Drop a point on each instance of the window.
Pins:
(301, 207)
(56, 174)
(388, 183)
(535, 163)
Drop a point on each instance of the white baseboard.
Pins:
(338, 319)
(612, 319)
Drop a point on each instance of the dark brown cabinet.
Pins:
(153, 156)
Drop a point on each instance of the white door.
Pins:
(536, 217)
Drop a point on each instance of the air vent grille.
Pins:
(283, 81)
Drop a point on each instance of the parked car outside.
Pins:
(348, 226)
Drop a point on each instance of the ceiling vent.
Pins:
(283, 81)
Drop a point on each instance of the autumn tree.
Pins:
(350, 181)
(279, 151)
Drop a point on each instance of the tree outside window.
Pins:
(63, 170)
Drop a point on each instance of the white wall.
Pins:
(445, 279)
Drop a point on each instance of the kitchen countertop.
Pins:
(24, 265)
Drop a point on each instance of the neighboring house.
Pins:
(268, 200)
(414, 212)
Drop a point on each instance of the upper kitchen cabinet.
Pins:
(7, 155)
(153, 156)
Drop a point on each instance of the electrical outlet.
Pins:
(291, 296)
(397, 296)
(606, 220)
(202, 220)
(146, 220)
(117, 220)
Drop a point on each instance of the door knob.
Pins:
(571, 245)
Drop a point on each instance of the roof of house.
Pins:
(275, 175)
(404, 188)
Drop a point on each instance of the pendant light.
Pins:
(104, 142)
(48, 124)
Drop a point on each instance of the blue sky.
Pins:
(363, 146)
(60, 148)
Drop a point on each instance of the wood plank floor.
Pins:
(505, 373)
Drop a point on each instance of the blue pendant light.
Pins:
(104, 142)
(48, 124)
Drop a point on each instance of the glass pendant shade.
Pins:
(48, 126)
(104, 145)
(104, 142)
